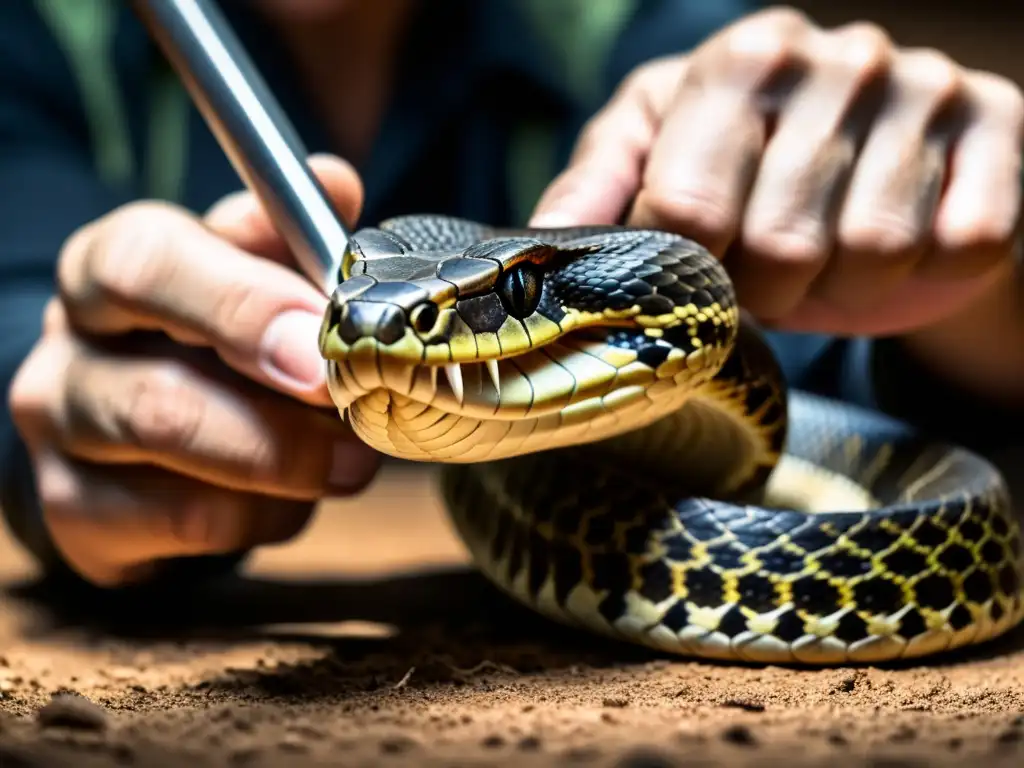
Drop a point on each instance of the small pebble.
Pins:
(837, 739)
(397, 745)
(739, 734)
(72, 710)
(529, 744)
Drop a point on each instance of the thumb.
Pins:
(241, 219)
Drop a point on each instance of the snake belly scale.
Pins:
(618, 450)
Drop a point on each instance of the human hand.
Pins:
(176, 403)
(851, 186)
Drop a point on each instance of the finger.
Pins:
(130, 410)
(978, 220)
(705, 160)
(113, 526)
(884, 228)
(788, 226)
(154, 267)
(605, 170)
(241, 219)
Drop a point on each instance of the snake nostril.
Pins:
(350, 323)
(391, 326)
(424, 317)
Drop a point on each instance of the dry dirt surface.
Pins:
(369, 641)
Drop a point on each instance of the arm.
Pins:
(49, 186)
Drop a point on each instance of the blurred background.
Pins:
(984, 34)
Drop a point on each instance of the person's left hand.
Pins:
(852, 187)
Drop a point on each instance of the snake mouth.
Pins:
(583, 371)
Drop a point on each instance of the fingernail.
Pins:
(290, 351)
(353, 464)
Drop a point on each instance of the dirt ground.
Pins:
(368, 641)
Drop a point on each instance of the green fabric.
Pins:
(531, 165)
(167, 149)
(581, 34)
(85, 31)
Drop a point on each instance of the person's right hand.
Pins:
(214, 434)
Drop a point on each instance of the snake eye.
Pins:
(520, 290)
(424, 317)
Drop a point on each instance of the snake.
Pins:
(619, 450)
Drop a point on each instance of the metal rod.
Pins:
(251, 127)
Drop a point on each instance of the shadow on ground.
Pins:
(443, 622)
(442, 608)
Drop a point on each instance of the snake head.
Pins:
(433, 305)
(535, 328)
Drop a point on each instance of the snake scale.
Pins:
(619, 450)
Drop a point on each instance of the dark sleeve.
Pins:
(48, 187)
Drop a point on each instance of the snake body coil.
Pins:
(620, 452)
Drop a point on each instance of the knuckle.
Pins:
(987, 236)
(1000, 95)
(864, 48)
(637, 79)
(687, 209)
(163, 410)
(73, 257)
(129, 255)
(781, 20)
(767, 42)
(766, 57)
(886, 235)
(929, 73)
(650, 89)
(591, 135)
(655, 72)
(794, 241)
(237, 305)
(37, 384)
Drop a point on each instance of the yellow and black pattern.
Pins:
(620, 452)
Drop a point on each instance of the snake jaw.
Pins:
(577, 389)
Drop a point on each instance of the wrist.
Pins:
(980, 348)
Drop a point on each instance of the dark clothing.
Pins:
(485, 113)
